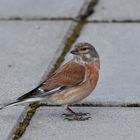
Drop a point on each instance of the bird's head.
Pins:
(85, 53)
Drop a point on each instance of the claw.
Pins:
(67, 115)
(77, 118)
(82, 114)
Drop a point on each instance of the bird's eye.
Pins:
(84, 49)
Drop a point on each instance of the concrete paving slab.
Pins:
(116, 10)
(105, 124)
(27, 50)
(40, 8)
(118, 47)
(8, 120)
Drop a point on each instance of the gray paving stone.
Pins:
(105, 124)
(40, 8)
(8, 120)
(118, 47)
(117, 10)
(27, 50)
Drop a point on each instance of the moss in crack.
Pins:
(39, 18)
(106, 105)
(36, 105)
(113, 21)
(88, 11)
(133, 105)
(23, 125)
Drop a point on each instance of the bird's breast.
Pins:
(81, 91)
(92, 74)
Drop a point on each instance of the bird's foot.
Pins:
(77, 116)
(82, 114)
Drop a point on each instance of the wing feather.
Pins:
(69, 74)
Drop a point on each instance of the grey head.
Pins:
(85, 53)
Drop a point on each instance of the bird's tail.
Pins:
(26, 98)
(19, 102)
(8, 104)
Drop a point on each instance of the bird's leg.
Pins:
(77, 113)
(69, 114)
(71, 111)
(76, 116)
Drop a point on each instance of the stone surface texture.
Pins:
(116, 10)
(40, 8)
(105, 124)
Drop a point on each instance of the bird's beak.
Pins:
(75, 52)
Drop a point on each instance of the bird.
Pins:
(69, 84)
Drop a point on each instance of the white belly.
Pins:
(69, 96)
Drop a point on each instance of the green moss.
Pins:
(23, 125)
(125, 21)
(40, 18)
(107, 105)
(133, 105)
(113, 21)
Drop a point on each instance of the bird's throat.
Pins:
(84, 60)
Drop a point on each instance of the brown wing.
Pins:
(69, 74)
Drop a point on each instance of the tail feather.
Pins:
(26, 98)
(18, 102)
(30, 94)
(34, 95)
(9, 104)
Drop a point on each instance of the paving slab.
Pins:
(8, 120)
(107, 123)
(27, 50)
(116, 10)
(118, 47)
(40, 8)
